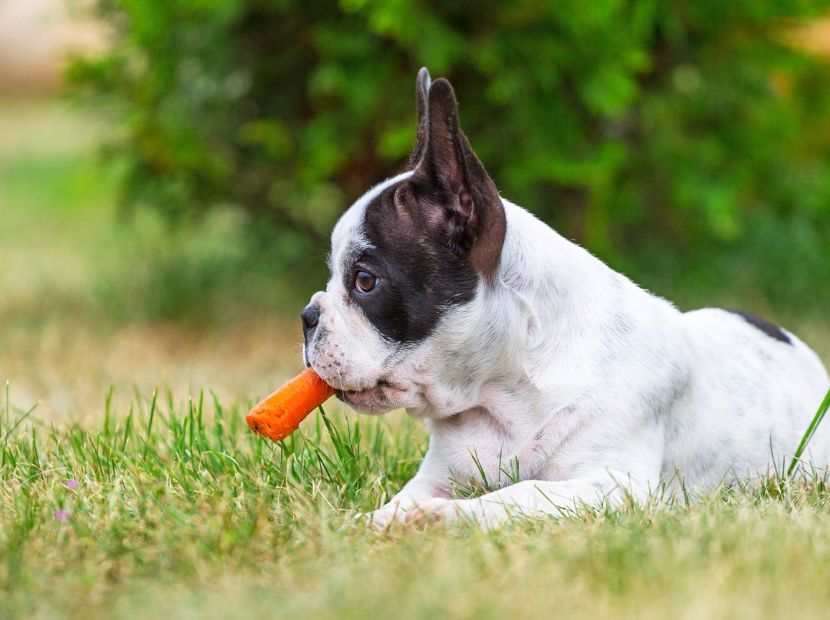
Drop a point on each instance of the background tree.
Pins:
(667, 135)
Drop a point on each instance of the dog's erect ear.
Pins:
(460, 200)
(422, 84)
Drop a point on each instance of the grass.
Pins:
(179, 509)
(808, 434)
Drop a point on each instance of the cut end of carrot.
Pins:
(279, 415)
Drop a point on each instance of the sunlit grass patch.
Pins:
(170, 507)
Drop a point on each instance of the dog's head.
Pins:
(405, 260)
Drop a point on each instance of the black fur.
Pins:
(433, 236)
(460, 199)
(420, 276)
(770, 329)
(422, 86)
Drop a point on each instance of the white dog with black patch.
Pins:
(532, 361)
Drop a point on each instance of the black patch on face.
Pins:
(419, 276)
(770, 329)
(434, 236)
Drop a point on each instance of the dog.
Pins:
(533, 364)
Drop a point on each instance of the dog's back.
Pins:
(753, 391)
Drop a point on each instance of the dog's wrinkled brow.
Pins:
(354, 248)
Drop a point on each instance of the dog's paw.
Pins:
(383, 518)
(486, 517)
(438, 510)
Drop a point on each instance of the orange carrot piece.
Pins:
(280, 414)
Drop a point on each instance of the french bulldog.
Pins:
(533, 364)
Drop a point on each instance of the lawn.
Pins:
(116, 503)
(178, 510)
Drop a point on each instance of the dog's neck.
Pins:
(558, 278)
(556, 291)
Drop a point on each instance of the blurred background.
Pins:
(170, 171)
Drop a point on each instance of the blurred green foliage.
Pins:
(686, 141)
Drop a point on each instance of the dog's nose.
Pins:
(310, 316)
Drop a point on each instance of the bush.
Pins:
(640, 129)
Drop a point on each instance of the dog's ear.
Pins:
(459, 199)
(422, 84)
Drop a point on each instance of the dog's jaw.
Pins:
(378, 399)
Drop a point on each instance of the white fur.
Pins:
(568, 384)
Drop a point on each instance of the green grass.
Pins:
(178, 509)
(808, 434)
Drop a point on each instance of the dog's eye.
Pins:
(365, 282)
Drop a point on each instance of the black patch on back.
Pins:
(770, 329)
(420, 278)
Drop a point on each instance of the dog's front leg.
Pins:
(427, 485)
(532, 499)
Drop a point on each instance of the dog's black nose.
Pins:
(310, 317)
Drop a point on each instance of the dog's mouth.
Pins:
(376, 399)
(383, 395)
(370, 391)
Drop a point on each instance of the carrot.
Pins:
(280, 414)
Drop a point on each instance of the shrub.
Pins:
(638, 128)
